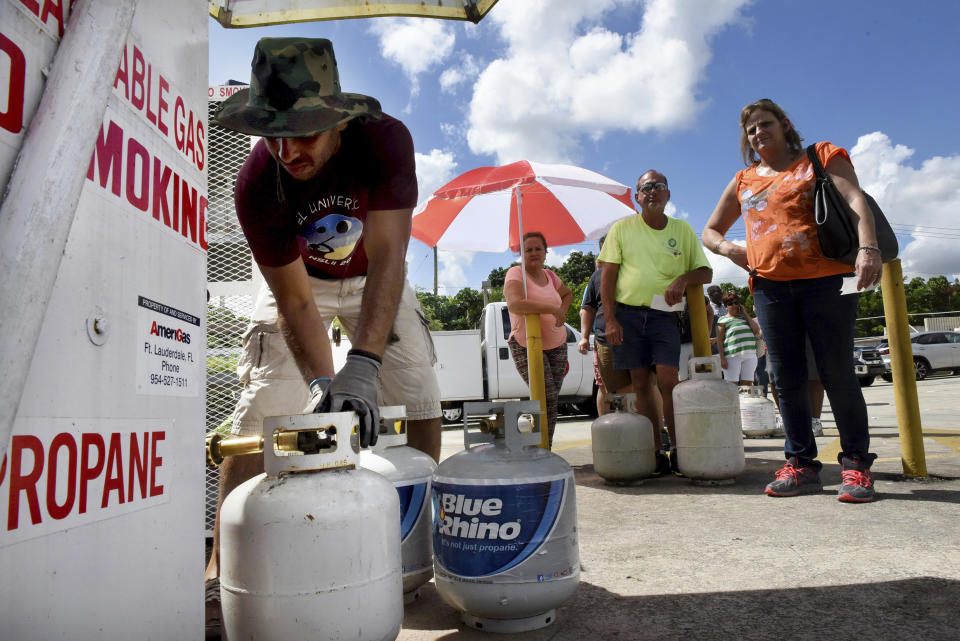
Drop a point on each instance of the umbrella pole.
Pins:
(534, 342)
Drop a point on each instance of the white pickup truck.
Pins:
(476, 365)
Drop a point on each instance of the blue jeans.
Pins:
(787, 310)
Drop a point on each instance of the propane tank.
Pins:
(757, 413)
(411, 472)
(707, 414)
(311, 548)
(505, 523)
(623, 449)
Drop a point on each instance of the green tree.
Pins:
(577, 269)
(498, 275)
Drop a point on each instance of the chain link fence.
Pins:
(230, 284)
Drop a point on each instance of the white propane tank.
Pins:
(411, 472)
(707, 414)
(623, 449)
(757, 413)
(311, 548)
(505, 524)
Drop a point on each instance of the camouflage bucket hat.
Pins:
(294, 91)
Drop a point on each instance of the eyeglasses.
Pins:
(648, 187)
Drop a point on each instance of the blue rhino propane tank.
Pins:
(623, 449)
(311, 548)
(505, 523)
(411, 472)
(707, 413)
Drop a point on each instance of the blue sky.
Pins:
(621, 86)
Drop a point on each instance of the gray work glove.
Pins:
(355, 388)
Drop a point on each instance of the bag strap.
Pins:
(553, 279)
(818, 169)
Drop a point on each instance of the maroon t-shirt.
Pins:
(323, 219)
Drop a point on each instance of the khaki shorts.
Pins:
(273, 385)
(614, 379)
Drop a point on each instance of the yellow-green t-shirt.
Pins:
(650, 259)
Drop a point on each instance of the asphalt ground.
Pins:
(670, 560)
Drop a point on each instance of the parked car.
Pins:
(884, 348)
(935, 351)
(868, 364)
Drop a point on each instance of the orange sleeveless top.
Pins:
(777, 210)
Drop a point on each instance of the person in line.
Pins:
(796, 290)
(648, 261)
(325, 200)
(610, 380)
(737, 335)
(546, 295)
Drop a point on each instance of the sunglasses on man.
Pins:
(648, 187)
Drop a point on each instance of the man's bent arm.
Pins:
(698, 276)
(385, 239)
(300, 321)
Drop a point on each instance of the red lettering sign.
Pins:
(12, 118)
(64, 479)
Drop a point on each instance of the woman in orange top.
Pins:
(547, 296)
(797, 290)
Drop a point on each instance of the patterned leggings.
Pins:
(554, 369)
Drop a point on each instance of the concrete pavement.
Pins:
(669, 560)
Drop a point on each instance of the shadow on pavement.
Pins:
(920, 608)
(759, 472)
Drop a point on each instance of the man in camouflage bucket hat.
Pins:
(294, 91)
(325, 200)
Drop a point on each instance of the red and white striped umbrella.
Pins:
(489, 208)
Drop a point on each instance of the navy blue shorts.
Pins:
(650, 337)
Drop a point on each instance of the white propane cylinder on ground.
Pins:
(707, 414)
(505, 540)
(757, 413)
(623, 449)
(411, 472)
(311, 548)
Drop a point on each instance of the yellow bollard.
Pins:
(698, 321)
(901, 364)
(535, 373)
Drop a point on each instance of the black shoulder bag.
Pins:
(835, 227)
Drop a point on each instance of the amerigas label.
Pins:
(484, 530)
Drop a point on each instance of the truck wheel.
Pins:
(887, 377)
(867, 381)
(452, 414)
(921, 368)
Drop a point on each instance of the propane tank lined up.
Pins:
(311, 547)
(623, 449)
(757, 413)
(411, 473)
(505, 539)
(707, 414)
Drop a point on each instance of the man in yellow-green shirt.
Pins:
(648, 260)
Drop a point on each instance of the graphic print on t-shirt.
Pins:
(333, 237)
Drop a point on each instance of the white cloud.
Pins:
(453, 77)
(578, 78)
(920, 203)
(414, 44)
(556, 258)
(672, 211)
(434, 170)
(452, 271)
(724, 269)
